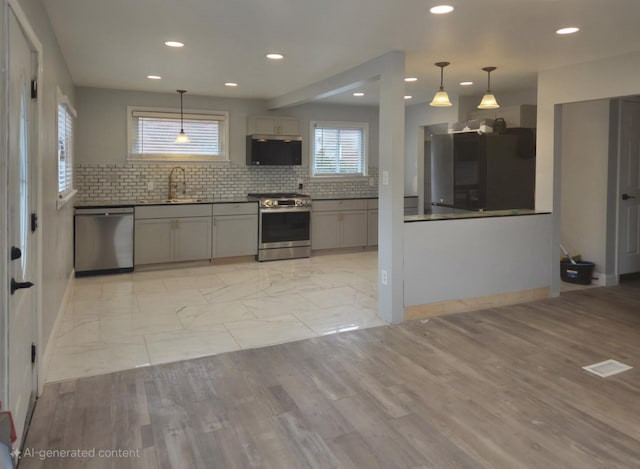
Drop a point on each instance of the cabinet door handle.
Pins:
(627, 196)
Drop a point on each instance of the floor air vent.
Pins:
(607, 368)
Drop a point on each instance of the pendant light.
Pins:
(441, 98)
(182, 137)
(488, 100)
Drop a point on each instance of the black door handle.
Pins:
(627, 196)
(18, 285)
(16, 253)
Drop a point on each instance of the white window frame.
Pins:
(222, 116)
(364, 126)
(68, 192)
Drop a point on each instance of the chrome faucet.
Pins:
(173, 185)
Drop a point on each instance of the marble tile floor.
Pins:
(118, 322)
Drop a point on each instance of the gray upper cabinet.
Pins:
(274, 125)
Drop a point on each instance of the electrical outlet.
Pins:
(383, 277)
(385, 178)
(372, 182)
(150, 186)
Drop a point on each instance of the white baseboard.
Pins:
(45, 358)
(604, 280)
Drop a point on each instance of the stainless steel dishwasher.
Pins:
(103, 240)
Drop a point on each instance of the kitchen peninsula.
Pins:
(493, 254)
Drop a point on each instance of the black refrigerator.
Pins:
(471, 171)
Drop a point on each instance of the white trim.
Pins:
(46, 355)
(4, 207)
(223, 116)
(345, 178)
(14, 6)
(364, 126)
(64, 198)
(69, 192)
(64, 99)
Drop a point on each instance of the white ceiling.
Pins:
(117, 43)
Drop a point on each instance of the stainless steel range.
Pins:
(284, 228)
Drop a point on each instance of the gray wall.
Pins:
(336, 112)
(610, 77)
(101, 136)
(584, 180)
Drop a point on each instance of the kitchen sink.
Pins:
(182, 201)
(170, 201)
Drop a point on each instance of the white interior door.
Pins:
(629, 189)
(22, 257)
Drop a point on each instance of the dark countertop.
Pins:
(223, 200)
(460, 216)
(346, 197)
(141, 202)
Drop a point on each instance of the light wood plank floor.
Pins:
(500, 388)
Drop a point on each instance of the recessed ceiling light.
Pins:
(174, 44)
(231, 84)
(568, 30)
(358, 94)
(441, 9)
(275, 56)
(466, 83)
(408, 97)
(154, 77)
(410, 79)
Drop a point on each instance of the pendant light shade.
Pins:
(488, 100)
(441, 98)
(182, 137)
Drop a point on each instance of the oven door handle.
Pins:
(284, 210)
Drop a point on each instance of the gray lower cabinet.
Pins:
(235, 230)
(325, 230)
(339, 224)
(172, 233)
(372, 231)
(372, 222)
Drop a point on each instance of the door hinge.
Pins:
(33, 353)
(34, 222)
(34, 89)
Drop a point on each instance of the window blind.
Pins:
(154, 133)
(338, 151)
(65, 149)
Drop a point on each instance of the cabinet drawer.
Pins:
(173, 211)
(248, 208)
(343, 204)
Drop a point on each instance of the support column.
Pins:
(391, 189)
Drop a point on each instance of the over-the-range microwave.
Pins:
(272, 150)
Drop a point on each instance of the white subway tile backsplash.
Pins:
(113, 182)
